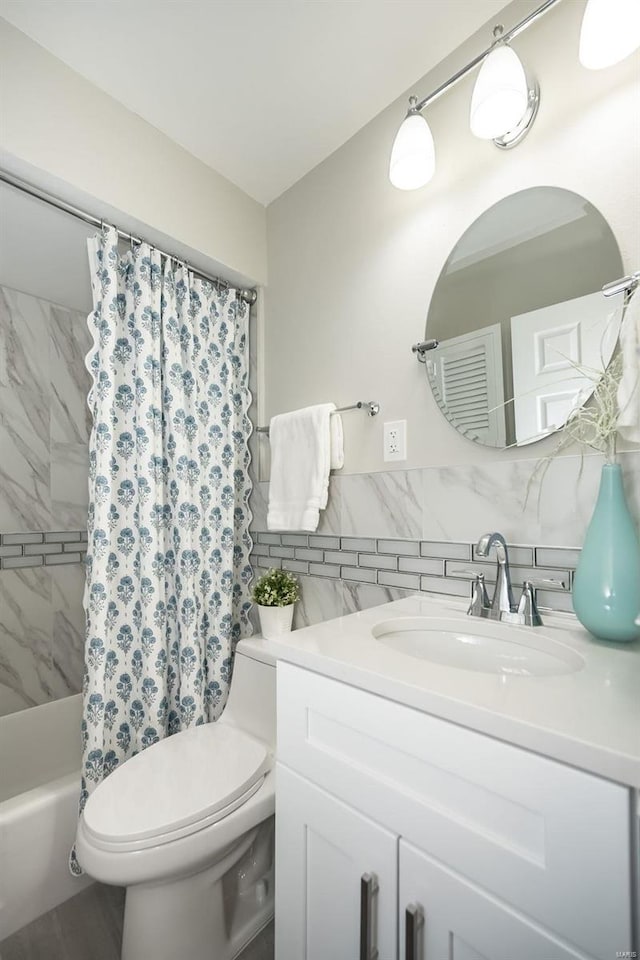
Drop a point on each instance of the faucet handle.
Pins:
(547, 582)
(527, 607)
(480, 603)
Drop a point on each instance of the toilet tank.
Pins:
(252, 699)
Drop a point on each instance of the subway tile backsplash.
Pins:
(324, 542)
(358, 543)
(413, 565)
(51, 547)
(446, 551)
(423, 523)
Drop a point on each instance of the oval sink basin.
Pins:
(480, 645)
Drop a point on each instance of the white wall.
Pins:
(58, 125)
(353, 262)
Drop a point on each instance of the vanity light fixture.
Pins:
(503, 107)
(413, 156)
(504, 103)
(610, 32)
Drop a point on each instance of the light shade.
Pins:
(610, 32)
(413, 156)
(500, 96)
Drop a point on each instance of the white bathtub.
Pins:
(39, 788)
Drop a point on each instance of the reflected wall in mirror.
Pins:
(519, 315)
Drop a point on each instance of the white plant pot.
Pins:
(274, 621)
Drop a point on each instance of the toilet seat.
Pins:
(176, 787)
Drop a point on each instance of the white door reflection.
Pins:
(558, 352)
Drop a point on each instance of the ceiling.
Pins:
(260, 90)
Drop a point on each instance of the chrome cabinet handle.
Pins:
(368, 889)
(413, 921)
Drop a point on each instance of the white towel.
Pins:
(337, 441)
(629, 388)
(305, 445)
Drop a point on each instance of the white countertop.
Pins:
(589, 718)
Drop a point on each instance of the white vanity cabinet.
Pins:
(504, 854)
(327, 849)
(462, 921)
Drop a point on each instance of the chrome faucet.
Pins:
(525, 613)
(502, 602)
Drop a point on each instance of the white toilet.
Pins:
(187, 827)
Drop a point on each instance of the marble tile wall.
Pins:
(449, 507)
(44, 433)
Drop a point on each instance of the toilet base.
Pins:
(184, 917)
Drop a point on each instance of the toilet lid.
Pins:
(200, 774)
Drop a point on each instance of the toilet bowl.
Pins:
(184, 824)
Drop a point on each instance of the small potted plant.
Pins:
(276, 594)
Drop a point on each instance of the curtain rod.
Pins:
(248, 295)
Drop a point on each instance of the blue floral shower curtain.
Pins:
(168, 558)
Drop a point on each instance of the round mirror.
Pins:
(520, 319)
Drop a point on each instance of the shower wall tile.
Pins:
(69, 344)
(67, 589)
(24, 361)
(361, 596)
(331, 517)
(382, 504)
(258, 505)
(25, 475)
(44, 418)
(527, 504)
(544, 516)
(25, 501)
(44, 433)
(26, 628)
(463, 502)
(321, 599)
(69, 484)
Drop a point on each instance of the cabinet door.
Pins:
(548, 839)
(458, 920)
(323, 850)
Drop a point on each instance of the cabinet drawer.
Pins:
(550, 840)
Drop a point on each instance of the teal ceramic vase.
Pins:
(606, 587)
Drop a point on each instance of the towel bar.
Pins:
(372, 408)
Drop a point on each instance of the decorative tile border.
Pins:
(47, 548)
(432, 566)
(428, 565)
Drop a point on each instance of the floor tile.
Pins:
(89, 927)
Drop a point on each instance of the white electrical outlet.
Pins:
(395, 440)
